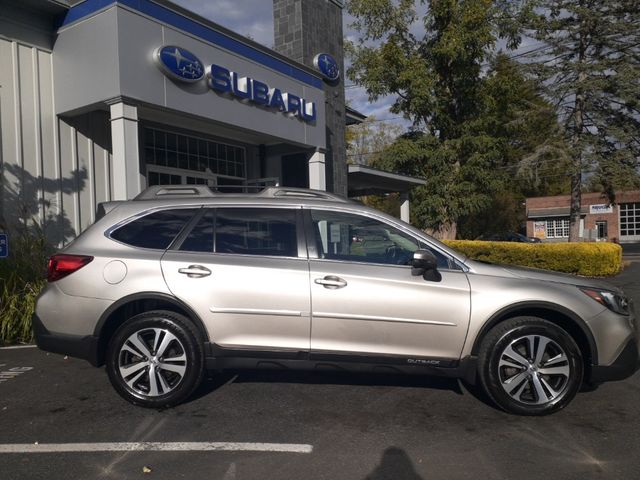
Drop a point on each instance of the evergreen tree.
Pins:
(589, 64)
(513, 143)
(436, 80)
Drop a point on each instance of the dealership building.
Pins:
(600, 220)
(101, 98)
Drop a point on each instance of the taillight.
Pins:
(61, 265)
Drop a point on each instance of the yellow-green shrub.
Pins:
(589, 259)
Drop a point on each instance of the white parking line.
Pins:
(155, 446)
(15, 347)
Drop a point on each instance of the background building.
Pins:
(99, 99)
(548, 218)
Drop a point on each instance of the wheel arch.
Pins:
(569, 321)
(137, 303)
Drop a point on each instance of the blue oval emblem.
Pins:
(179, 63)
(327, 66)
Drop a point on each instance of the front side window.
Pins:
(156, 230)
(355, 238)
(256, 231)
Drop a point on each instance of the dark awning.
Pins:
(553, 212)
(371, 181)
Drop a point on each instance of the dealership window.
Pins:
(629, 219)
(558, 228)
(174, 158)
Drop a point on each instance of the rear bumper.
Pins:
(84, 347)
(627, 363)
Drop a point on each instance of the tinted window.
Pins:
(342, 236)
(200, 238)
(156, 230)
(256, 231)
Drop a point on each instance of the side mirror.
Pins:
(425, 263)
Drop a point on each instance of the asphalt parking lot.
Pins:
(278, 425)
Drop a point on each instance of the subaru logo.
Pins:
(179, 63)
(327, 66)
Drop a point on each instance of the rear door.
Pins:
(365, 300)
(245, 272)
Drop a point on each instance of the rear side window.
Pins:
(155, 230)
(256, 231)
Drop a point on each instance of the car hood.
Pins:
(542, 275)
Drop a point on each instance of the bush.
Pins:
(22, 276)
(588, 259)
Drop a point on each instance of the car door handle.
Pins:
(195, 271)
(331, 281)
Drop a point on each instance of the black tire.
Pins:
(158, 379)
(541, 386)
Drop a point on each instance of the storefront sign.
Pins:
(327, 66)
(179, 64)
(224, 80)
(603, 208)
(182, 65)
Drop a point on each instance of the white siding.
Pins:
(54, 171)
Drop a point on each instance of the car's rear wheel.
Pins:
(155, 359)
(530, 366)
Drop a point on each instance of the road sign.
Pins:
(4, 245)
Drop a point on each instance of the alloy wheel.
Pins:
(534, 370)
(152, 362)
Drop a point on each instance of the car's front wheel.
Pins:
(155, 359)
(530, 366)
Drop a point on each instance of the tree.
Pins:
(436, 81)
(589, 64)
(533, 153)
(514, 144)
(366, 140)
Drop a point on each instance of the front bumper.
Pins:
(627, 363)
(84, 347)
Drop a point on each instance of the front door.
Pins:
(242, 271)
(365, 300)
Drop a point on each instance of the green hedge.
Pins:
(588, 259)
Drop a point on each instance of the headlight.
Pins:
(613, 301)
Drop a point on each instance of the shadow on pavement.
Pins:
(394, 465)
(214, 381)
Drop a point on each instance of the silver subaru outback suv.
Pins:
(183, 279)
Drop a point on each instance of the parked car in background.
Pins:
(183, 279)
(509, 237)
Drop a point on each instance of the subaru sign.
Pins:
(223, 80)
(179, 64)
(4, 245)
(182, 65)
(328, 66)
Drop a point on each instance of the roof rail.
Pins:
(164, 191)
(158, 192)
(275, 192)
